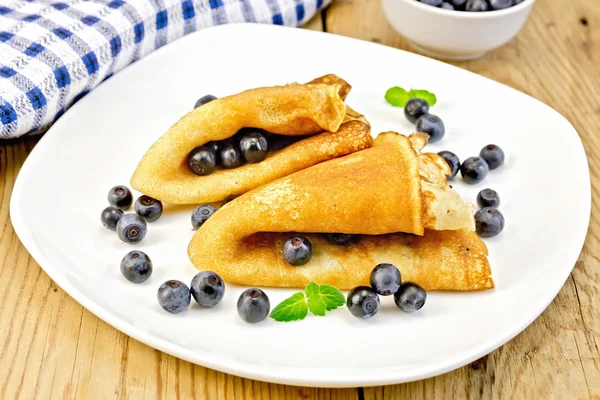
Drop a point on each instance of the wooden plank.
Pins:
(555, 58)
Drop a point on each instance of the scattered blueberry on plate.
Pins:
(363, 302)
(385, 279)
(493, 156)
(148, 208)
(474, 170)
(204, 99)
(452, 160)
(489, 222)
(120, 196)
(253, 305)
(431, 125)
(297, 250)
(131, 228)
(415, 108)
(202, 161)
(201, 214)
(110, 216)
(173, 296)
(207, 288)
(488, 198)
(410, 297)
(136, 266)
(342, 238)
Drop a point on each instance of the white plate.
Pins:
(545, 189)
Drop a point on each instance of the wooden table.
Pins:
(53, 348)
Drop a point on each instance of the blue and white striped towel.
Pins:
(52, 53)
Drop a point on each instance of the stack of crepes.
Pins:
(336, 180)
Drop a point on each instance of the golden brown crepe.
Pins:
(377, 192)
(316, 108)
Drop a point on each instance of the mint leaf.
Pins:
(291, 309)
(396, 96)
(429, 97)
(332, 297)
(317, 306)
(312, 289)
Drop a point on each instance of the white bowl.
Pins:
(457, 35)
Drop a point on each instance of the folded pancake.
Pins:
(395, 197)
(315, 109)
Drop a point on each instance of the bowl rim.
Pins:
(472, 15)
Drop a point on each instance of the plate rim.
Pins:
(282, 374)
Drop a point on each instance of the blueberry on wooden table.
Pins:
(488, 198)
(474, 170)
(253, 305)
(201, 214)
(120, 196)
(410, 297)
(204, 99)
(202, 161)
(207, 288)
(415, 108)
(489, 222)
(363, 302)
(173, 296)
(148, 208)
(136, 266)
(432, 125)
(110, 217)
(452, 161)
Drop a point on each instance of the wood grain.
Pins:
(52, 348)
(555, 58)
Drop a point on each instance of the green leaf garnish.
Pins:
(291, 309)
(319, 299)
(398, 97)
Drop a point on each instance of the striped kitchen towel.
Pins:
(54, 52)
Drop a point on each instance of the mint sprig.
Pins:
(319, 299)
(398, 97)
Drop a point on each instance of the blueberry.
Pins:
(458, 3)
(231, 157)
(500, 4)
(431, 125)
(228, 199)
(363, 302)
(253, 305)
(201, 214)
(136, 266)
(120, 196)
(215, 147)
(131, 228)
(415, 108)
(447, 6)
(207, 288)
(297, 250)
(173, 296)
(385, 279)
(278, 142)
(204, 99)
(148, 208)
(518, 1)
(342, 238)
(452, 160)
(411, 297)
(476, 5)
(488, 198)
(435, 3)
(110, 216)
(202, 161)
(473, 170)
(489, 222)
(493, 155)
(254, 146)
